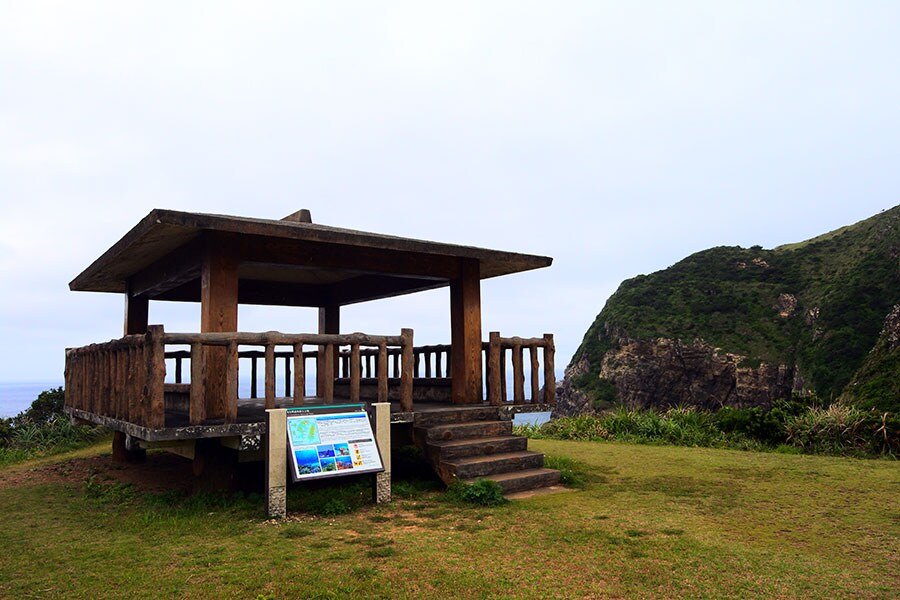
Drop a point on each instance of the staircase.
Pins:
(470, 443)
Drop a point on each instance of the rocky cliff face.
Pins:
(662, 373)
(742, 327)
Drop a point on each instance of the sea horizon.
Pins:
(16, 396)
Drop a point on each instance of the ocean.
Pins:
(16, 397)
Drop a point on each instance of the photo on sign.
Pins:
(307, 461)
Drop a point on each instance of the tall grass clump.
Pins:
(844, 430)
(789, 424)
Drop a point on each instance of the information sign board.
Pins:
(331, 441)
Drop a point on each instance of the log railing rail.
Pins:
(125, 378)
(496, 349)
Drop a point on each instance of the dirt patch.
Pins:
(162, 472)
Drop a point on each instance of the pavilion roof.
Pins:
(283, 262)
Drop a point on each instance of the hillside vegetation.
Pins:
(816, 307)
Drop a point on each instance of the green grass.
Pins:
(649, 522)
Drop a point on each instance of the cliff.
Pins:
(740, 327)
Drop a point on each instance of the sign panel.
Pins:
(330, 442)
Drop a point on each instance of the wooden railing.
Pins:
(269, 341)
(496, 364)
(122, 379)
(125, 379)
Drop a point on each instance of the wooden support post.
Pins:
(198, 385)
(270, 375)
(549, 370)
(518, 374)
(254, 376)
(494, 356)
(329, 322)
(465, 326)
(218, 314)
(406, 371)
(535, 375)
(299, 375)
(137, 313)
(355, 370)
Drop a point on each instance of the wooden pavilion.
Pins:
(136, 385)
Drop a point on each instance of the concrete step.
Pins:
(463, 414)
(461, 431)
(518, 481)
(493, 464)
(453, 449)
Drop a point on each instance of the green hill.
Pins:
(815, 309)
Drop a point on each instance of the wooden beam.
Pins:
(218, 314)
(465, 326)
(174, 270)
(375, 287)
(362, 259)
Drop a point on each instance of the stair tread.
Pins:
(487, 458)
(499, 477)
(473, 441)
(464, 424)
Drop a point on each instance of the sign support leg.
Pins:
(276, 463)
(382, 413)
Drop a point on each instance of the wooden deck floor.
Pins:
(251, 418)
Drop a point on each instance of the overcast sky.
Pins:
(616, 137)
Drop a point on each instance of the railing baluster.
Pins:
(299, 375)
(549, 370)
(518, 374)
(406, 373)
(504, 395)
(270, 375)
(253, 376)
(287, 376)
(355, 369)
(197, 408)
(494, 389)
(156, 377)
(232, 368)
(329, 372)
(382, 372)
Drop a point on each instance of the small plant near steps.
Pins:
(469, 444)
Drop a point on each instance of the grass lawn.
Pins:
(652, 522)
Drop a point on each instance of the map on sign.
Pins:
(332, 444)
(304, 431)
